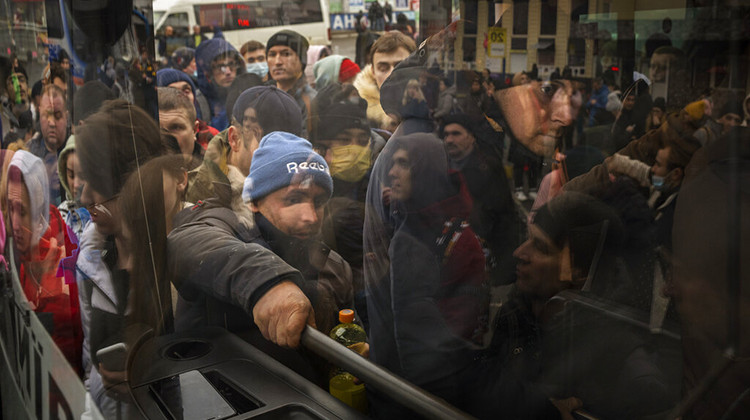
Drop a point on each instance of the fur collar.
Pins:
(368, 90)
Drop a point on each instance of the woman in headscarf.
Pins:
(40, 237)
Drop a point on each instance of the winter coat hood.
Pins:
(314, 53)
(326, 70)
(62, 166)
(35, 178)
(204, 55)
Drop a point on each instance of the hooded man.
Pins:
(218, 65)
(286, 52)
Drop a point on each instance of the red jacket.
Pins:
(50, 294)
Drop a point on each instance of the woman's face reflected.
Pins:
(72, 175)
(400, 176)
(105, 211)
(19, 205)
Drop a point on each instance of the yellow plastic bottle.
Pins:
(342, 385)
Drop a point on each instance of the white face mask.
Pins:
(261, 69)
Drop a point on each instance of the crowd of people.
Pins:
(264, 198)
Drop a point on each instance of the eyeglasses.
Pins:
(20, 77)
(93, 206)
(231, 65)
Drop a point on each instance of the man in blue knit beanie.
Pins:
(288, 185)
(271, 279)
(287, 190)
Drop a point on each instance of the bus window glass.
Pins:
(257, 14)
(533, 207)
(179, 21)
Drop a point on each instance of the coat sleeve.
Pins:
(206, 257)
(445, 104)
(428, 351)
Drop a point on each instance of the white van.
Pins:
(245, 20)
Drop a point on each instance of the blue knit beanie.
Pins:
(282, 159)
(166, 77)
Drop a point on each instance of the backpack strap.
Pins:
(451, 233)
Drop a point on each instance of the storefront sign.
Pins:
(496, 47)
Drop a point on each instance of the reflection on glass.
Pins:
(533, 207)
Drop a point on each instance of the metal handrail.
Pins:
(384, 381)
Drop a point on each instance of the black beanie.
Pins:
(293, 40)
(337, 108)
(275, 109)
(240, 84)
(469, 123)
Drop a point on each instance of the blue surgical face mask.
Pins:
(657, 181)
(261, 69)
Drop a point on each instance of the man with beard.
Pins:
(287, 190)
(270, 280)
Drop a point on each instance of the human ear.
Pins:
(182, 183)
(678, 174)
(233, 138)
